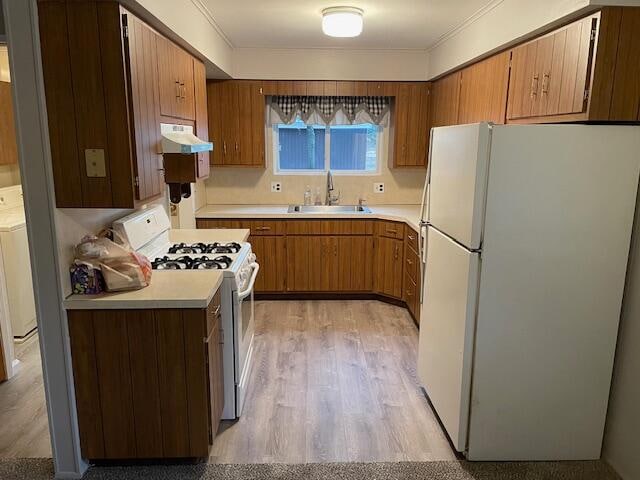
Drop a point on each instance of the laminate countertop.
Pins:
(410, 214)
(168, 289)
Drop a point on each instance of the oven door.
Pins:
(243, 336)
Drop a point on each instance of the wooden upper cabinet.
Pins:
(202, 118)
(106, 79)
(177, 89)
(445, 93)
(237, 122)
(8, 145)
(483, 90)
(410, 125)
(585, 71)
(140, 47)
(550, 75)
(101, 104)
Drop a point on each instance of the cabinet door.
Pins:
(230, 123)
(342, 263)
(524, 83)
(361, 261)
(216, 371)
(322, 263)
(141, 46)
(258, 108)
(445, 100)
(9, 150)
(215, 119)
(483, 90)
(388, 274)
(244, 141)
(271, 255)
(202, 119)
(298, 263)
(402, 105)
(575, 75)
(168, 79)
(418, 123)
(184, 64)
(542, 74)
(552, 79)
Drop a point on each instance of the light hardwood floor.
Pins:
(24, 427)
(333, 381)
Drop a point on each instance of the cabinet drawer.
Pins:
(266, 227)
(390, 229)
(411, 264)
(329, 227)
(411, 239)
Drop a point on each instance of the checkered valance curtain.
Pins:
(349, 110)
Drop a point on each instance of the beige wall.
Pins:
(236, 186)
(9, 175)
(330, 64)
(4, 64)
(74, 223)
(623, 421)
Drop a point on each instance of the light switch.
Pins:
(94, 158)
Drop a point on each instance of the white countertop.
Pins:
(168, 289)
(410, 214)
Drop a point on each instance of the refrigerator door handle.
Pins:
(425, 191)
(422, 245)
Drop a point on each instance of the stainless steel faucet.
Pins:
(330, 198)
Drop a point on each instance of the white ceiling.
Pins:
(388, 24)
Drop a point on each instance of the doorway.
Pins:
(24, 427)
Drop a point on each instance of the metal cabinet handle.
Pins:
(335, 250)
(216, 311)
(177, 89)
(545, 83)
(392, 231)
(411, 237)
(224, 147)
(236, 146)
(534, 85)
(263, 229)
(409, 261)
(395, 255)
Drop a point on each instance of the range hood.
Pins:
(180, 139)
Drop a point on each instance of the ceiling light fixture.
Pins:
(342, 21)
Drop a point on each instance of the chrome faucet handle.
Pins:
(362, 202)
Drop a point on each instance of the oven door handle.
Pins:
(245, 293)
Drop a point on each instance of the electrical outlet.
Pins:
(378, 188)
(276, 187)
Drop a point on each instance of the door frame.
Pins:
(23, 39)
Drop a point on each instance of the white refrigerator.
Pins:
(526, 232)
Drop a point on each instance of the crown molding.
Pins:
(465, 24)
(206, 13)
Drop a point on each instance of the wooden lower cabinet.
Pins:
(412, 275)
(148, 382)
(332, 256)
(388, 266)
(328, 263)
(270, 253)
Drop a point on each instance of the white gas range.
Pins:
(147, 232)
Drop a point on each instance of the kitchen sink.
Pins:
(328, 209)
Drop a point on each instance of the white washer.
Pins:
(15, 267)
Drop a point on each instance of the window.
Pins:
(301, 148)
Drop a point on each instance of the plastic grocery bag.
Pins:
(121, 267)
